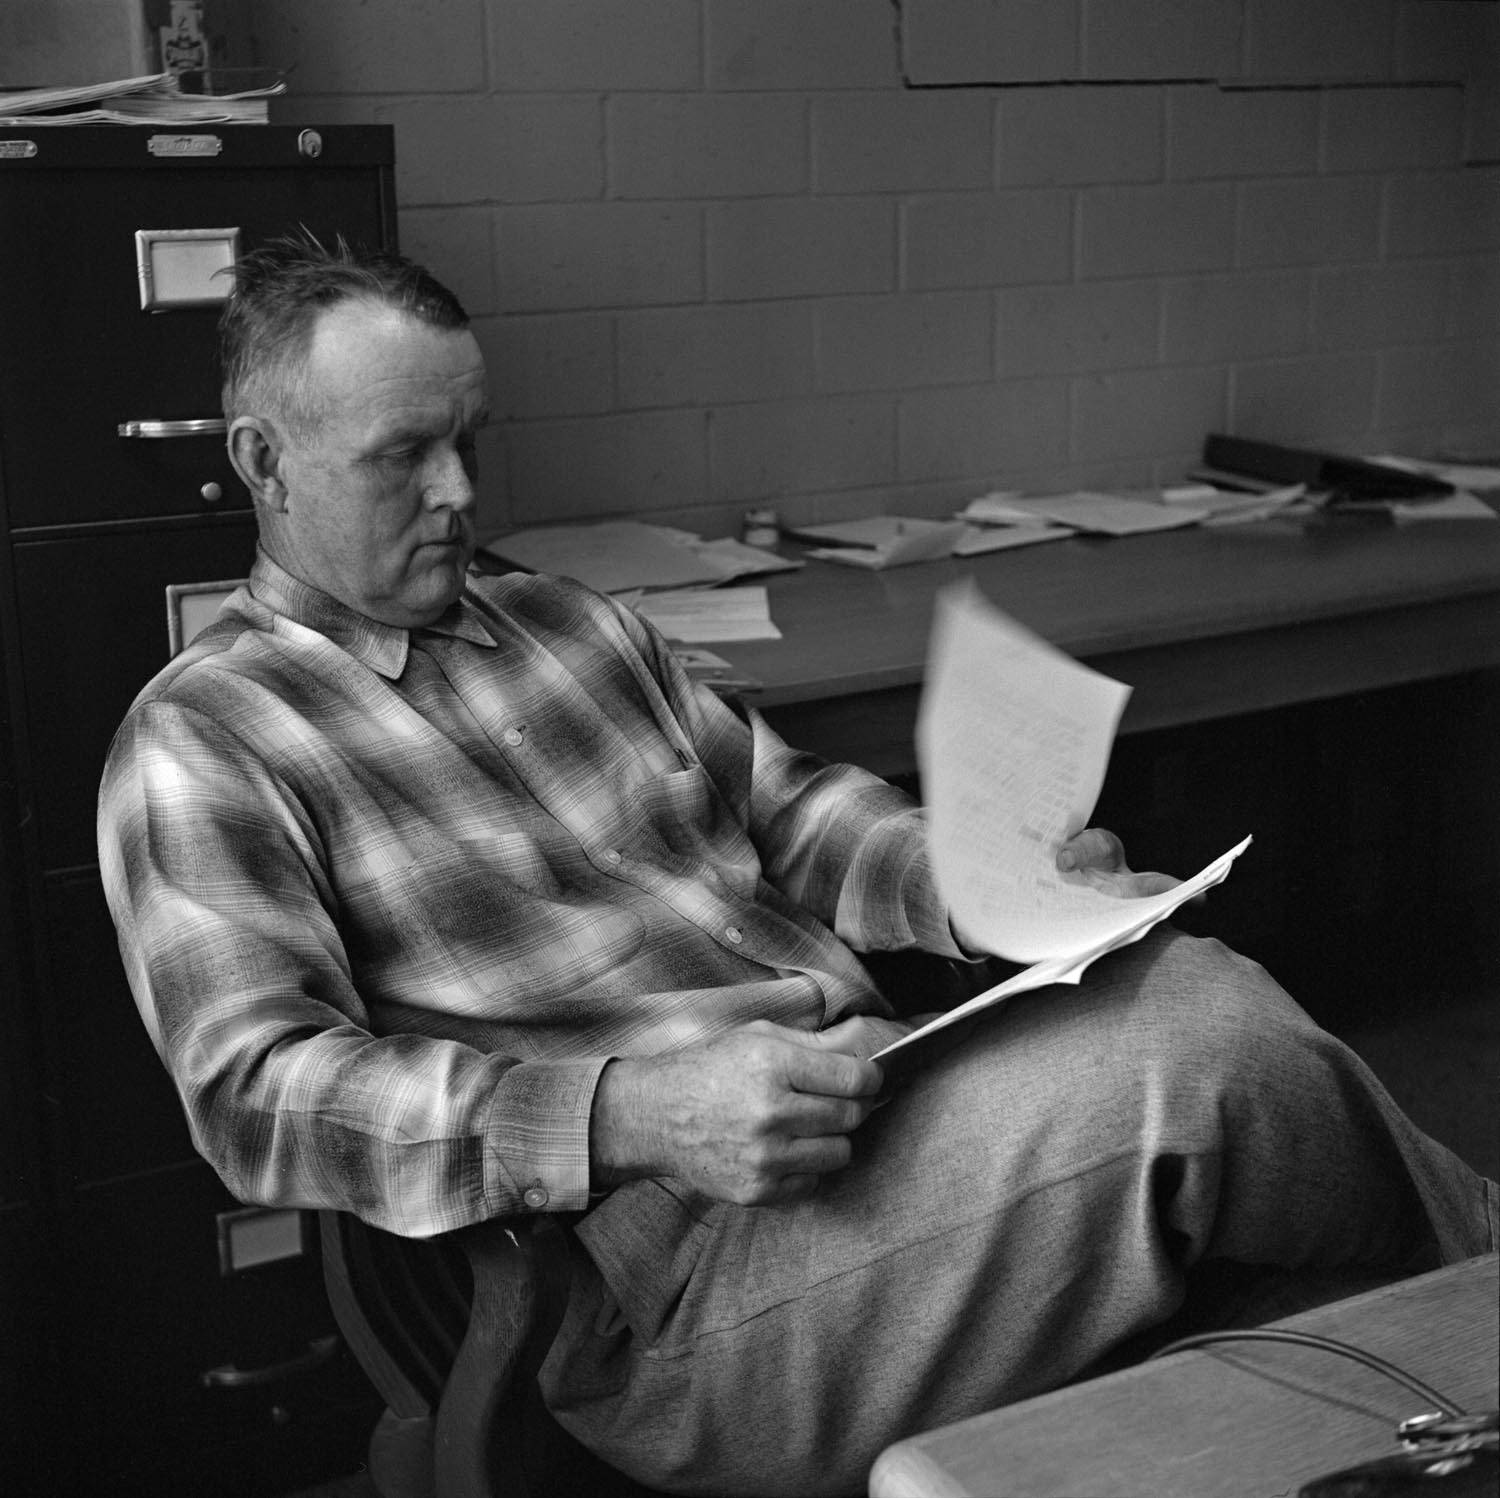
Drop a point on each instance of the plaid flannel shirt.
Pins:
(388, 901)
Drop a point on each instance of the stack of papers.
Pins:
(153, 99)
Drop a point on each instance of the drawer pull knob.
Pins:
(206, 426)
(212, 492)
(227, 1376)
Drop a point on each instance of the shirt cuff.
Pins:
(537, 1136)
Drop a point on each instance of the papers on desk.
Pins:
(1473, 477)
(707, 616)
(978, 539)
(882, 540)
(1110, 514)
(1231, 507)
(1470, 479)
(615, 556)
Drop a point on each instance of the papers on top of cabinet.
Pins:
(1013, 740)
(153, 98)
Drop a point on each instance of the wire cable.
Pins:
(1324, 1344)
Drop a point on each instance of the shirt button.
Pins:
(535, 1196)
(513, 737)
(612, 855)
(735, 934)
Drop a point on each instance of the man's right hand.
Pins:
(755, 1116)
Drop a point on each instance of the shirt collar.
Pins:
(381, 647)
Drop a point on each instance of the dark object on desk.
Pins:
(1347, 481)
(1469, 1474)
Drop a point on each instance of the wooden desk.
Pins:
(1235, 1421)
(1203, 623)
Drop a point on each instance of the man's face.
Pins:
(380, 493)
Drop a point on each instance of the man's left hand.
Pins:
(1098, 857)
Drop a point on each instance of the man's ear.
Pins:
(255, 449)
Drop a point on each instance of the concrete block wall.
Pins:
(731, 252)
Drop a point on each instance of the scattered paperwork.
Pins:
(1111, 514)
(615, 556)
(1228, 507)
(1000, 507)
(999, 521)
(612, 556)
(1013, 740)
(1470, 479)
(1450, 507)
(978, 539)
(883, 540)
(735, 559)
(707, 616)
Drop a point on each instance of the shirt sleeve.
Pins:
(215, 877)
(844, 844)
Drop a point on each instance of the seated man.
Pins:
(446, 896)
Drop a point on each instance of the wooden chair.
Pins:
(451, 1332)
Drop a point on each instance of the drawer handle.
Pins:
(206, 426)
(227, 1376)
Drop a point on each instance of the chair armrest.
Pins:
(520, 1288)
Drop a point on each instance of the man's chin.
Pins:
(433, 593)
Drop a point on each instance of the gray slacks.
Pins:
(1046, 1191)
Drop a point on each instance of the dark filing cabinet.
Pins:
(151, 1340)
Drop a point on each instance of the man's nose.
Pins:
(451, 487)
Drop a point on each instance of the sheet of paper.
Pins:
(1013, 739)
(885, 541)
(1111, 514)
(1000, 507)
(735, 559)
(1459, 506)
(978, 539)
(611, 556)
(1470, 476)
(1069, 969)
(705, 616)
(1227, 508)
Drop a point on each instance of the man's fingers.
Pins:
(810, 1068)
(1092, 848)
(807, 1116)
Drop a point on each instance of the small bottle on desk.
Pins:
(760, 527)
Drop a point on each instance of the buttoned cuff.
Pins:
(537, 1138)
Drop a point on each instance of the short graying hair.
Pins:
(281, 289)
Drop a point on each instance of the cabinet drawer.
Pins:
(87, 359)
(150, 1314)
(93, 633)
(28, 1362)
